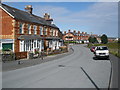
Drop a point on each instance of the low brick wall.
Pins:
(20, 55)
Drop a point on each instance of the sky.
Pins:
(91, 17)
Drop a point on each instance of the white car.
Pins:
(101, 52)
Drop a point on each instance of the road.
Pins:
(78, 70)
(115, 67)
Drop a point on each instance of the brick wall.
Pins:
(7, 27)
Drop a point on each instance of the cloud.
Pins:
(52, 10)
(99, 18)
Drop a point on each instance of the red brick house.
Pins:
(76, 36)
(23, 31)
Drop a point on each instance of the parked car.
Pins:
(101, 52)
(92, 48)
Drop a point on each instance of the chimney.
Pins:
(47, 18)
(29, 8)
(64, 32)
(78, 32)
(74, 31)
(69, 30)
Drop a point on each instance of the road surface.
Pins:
(78, 70)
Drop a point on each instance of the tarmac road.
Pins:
(78, 70)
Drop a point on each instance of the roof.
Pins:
(76, 34)
(51, 38)
(29, 37)
(25, 16)
(32, 37)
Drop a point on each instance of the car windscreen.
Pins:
(102, 48)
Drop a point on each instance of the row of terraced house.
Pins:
(23, 31)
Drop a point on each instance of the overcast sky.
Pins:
(96, 17)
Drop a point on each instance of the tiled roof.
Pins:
(76, 34)
(25, 16)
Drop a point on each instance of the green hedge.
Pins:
(70, 42)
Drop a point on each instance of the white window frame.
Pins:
(45, 31)
(41, 30)
(29, 29)
(53, 32)
(35, 29)
(21, 45)
(56, 32)
(21, 28)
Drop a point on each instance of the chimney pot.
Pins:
(29, 8)
(47, 18)
(64, 32)
(69, 30)
(74, 31)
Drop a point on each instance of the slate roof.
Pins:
(25, 16)
(32, 37)
(29, 37)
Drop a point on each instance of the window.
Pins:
(21, 28)
(41, 30)
(56, 33)
(53, 32)
(45, 32)
(29, 29)
(35, 29)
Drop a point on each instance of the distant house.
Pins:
(23, 31)
(78, 37)
(112, 39)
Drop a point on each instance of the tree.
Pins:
(92, 39)
(104, 39)
(95, 40)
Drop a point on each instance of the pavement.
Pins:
(77, 70)
(13, 65)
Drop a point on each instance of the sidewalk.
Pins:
(12, 65)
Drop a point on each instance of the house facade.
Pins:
(23, 31)
(77, 36)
